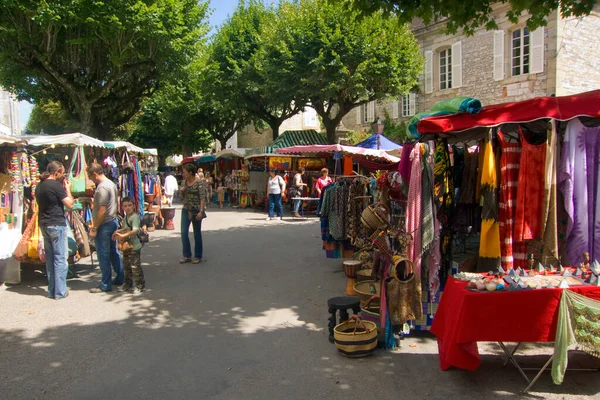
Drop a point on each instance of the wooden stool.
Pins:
(351, 267)
(343, 304)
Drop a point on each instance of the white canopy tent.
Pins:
(75, 139)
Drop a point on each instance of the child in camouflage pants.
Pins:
(132, 264)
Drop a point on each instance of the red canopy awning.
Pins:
(562, 108)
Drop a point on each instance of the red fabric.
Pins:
(513, 254)
(562, 108)
(373, 166)
(465, 318)
(347, 166)
(530, 191)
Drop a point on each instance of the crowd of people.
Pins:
(116, 238)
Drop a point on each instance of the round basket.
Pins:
(364, 275)
(375, 216)
(355, 338)
(364, 290)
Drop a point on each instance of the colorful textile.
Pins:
(427, 200)
(530, 191)
(413, 210)
(464, 318)
(489, 245)
(579, 182)
(513, 254)
(549, 216)
(468, 185)
(405, 162)
(578, 318)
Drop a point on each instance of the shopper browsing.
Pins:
(275, 189)
(52, 195)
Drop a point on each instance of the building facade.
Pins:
(9, 115)
(509, 64)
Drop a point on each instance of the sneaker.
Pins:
(140, 289)
(125, 288)
(98, 290)
(268, 219)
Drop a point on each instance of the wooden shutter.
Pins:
(412, 104)
(498, 55)
(536, 52)
(395, 109)
(358, 120)
(371, 111)
(429, 71)
(457, 65)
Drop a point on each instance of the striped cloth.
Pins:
(513, 254)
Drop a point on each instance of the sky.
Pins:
(221, 10)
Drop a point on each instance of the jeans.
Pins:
(56, 249)
(185, 235)
(275, 204)
(108, 255)
(297, 204)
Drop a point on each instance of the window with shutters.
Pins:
(409, 105)
(520, 52)
(365, 113)
(445, 69)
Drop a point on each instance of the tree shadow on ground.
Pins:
(251, 323)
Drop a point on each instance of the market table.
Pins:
(464, 318)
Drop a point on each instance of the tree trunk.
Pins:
(87, 120)
(330, 127)
(275, 124)
(223, 143)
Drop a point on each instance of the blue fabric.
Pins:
(185, 236)
(384, 143)
(55, 247)
(275, 205)
(297, 204)
(108, 255)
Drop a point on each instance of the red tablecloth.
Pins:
(465, 318)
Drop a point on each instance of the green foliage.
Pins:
(339, 61)
(241, 69)
(395, 131)
(98, 59)
(50, 118)
(471, 15)
(355, 137)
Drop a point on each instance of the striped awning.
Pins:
(259, 152)
(299, 138)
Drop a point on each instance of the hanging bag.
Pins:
(20, 252)
(77, 173)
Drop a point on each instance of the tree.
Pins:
(99, 59)
(339, 61)
(51, 118)
(242, 71)
(471, 15)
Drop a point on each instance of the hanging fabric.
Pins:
(489, 245)
(580, 185)
(77, 176)
(413, 211)
(514, 254)
(549, 219)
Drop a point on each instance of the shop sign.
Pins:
(280, 163)
(312, 163)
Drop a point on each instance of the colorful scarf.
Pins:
(489, 245)
(413, 210)
(427, 201)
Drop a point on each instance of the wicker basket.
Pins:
(375, 216)
(355, 338)
(363, 290)
(380, 242)
(364, 275)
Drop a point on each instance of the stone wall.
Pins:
(578, 59)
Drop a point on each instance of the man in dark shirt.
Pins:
(52, 197)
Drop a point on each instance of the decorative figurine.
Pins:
(585, 265)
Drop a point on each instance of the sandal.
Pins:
(184, 260)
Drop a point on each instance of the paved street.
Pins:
(250, 323)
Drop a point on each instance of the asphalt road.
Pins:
(250, 323)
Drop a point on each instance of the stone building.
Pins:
(511, 63)
(9, 114)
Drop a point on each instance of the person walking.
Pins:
(275, 189)
(171, 187)
(52, 195)
(194, 195)
(104, 216)
(297, 187)
(131, 247)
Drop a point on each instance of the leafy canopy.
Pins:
(338, 60)
(470, 15)
(99, 59)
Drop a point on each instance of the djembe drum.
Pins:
(168, 214)
(351, 267)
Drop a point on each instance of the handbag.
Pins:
(34, 242)
(20, 252)
(124, 245)
(77, 178)
(126, 165)
(81, 236)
